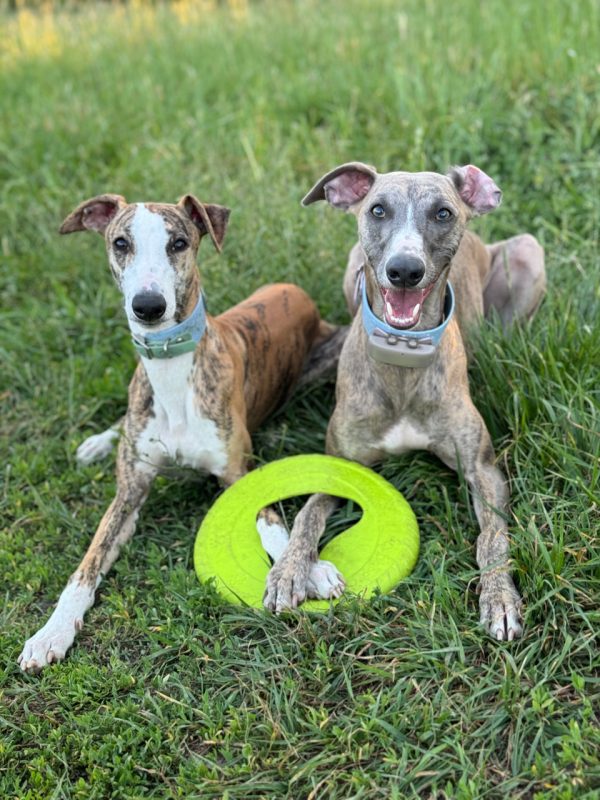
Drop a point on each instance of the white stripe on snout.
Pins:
(406, 238)
(150, 268)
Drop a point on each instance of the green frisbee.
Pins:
(373, 555)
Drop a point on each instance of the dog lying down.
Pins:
(402, 377)
(202, 385)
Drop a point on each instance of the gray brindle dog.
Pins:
(402, 377)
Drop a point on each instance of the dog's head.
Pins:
(152, 250)
(410, 226)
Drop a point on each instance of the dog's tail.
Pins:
(323, 359)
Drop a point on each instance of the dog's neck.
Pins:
(171, 357)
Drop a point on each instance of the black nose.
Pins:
(149, 306)
(404, 270)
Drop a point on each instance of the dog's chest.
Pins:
(179, 432)
(404, 436)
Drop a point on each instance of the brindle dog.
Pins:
(412, 238)
(194, 400)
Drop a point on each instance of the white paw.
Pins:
(324, 581)
(48, 645)
(96, 447)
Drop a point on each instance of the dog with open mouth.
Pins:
(419, 281)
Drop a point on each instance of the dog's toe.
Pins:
(500, 610)
(286, 585)
(324, 581)
(47, 646)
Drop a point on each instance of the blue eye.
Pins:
(179, 245)
(378, 211)
(443, 215)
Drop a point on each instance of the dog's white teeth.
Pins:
(417, 309)
(389, 308)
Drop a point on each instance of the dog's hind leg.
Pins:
(52, 641)
(517, 279)
(99, 445)
(323, 358)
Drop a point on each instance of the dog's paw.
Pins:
(48, 646)
(500, 607)
(324, 581)
(96, 447)
(287, 584)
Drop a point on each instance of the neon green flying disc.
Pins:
(376, 553)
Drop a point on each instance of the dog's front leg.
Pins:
(51, 642)
(323, 582)
(470, 443)
(288, 582)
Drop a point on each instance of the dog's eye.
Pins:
(443, 215)
(179, 245)
(121, 244)
(378, 211)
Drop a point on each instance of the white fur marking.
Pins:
(96, 447)
(405, 436)
(52, 641)
(150, 264)
(407, 238)
(178, 431)
(324, 581)
(274, 538)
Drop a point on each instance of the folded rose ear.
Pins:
(344, 186)
(476, 188)
(93, 214)
(209, 219)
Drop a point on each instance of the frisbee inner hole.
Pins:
(347, 514)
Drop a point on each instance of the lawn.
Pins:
(169, 692)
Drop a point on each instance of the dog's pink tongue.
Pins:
(402, 308)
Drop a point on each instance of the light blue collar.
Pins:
(171, 342)
(399, 347)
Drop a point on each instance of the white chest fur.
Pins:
(179, 432)
(404, 436)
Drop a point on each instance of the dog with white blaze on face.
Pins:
(202, 385)
(417, 281)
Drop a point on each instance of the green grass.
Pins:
(169, 693)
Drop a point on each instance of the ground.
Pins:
(169, 692)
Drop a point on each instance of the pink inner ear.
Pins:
(478, 190)
(97, 216)
(348, 188)
(195, 216)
